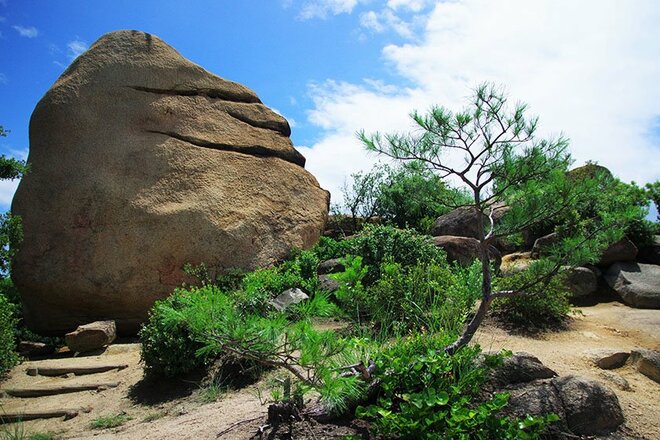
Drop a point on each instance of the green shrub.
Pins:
(8, 321)
(428, 394)
(377, 244)
(543, 306)
(168, 344)
(109, 421)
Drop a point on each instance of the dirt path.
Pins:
(176, 410)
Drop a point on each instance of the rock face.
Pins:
(650, 253)
(637, 284)
(461, 222)
(465, 250)
(142, 161)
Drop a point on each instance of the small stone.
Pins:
(648, 363)
(521, 367)
(31, 348)
(287, 298)
(581, 281)
(607, 359)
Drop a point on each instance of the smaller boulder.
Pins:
(31, 348)
(328, 284)
(287, 298)
(519, 368)
(543, 245)
(465, 250)
(580, 281)
(537, 399)
(461, 222)
(591, 408)
(617, 380)
(650, 253)
(90, 337)
(607, 358)
(622, 250)
(638, 285)
(330, 266)
(516, 262)
(648, 363)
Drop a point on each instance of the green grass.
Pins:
(211, 392)
(40, 436)
(110, 421)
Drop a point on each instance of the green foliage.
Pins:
(428, 394)
(544, 306)
(406, 196)
(109, 421)
(377, 244)
(328, 248)
(8, 322)
(168, 344)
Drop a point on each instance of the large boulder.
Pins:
(465, 250)
(142, 161)
(637, 284)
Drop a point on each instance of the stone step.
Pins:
(60, 389)
(60, 369)
(13, 416)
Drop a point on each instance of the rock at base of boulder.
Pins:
(648, 363)
(637, 284)
(91, 336)
(617, 380)
(607, 359)
(516, 262)
(590, 407)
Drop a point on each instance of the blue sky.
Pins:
(589, 69)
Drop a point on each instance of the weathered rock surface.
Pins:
(590, 407)
(465, 250)
(519, 368)
(461, 222)
(607, 359)
(637, 284)
(142, 161)
(580, 281)
(650, 254)
(622, 250)
(91, 336)
(648, 363)
(328, 284)
(584, 406)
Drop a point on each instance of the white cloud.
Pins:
(411, 5)
(27, 32)
(323, 8)
(3, 78)
(589, 69)
(7, 190)
(76, 48)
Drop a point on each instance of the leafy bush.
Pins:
(428, 394)
(542, 306)
(168, 345)
(8, 321)
(377, 244)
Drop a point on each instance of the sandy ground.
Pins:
(175, 409)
